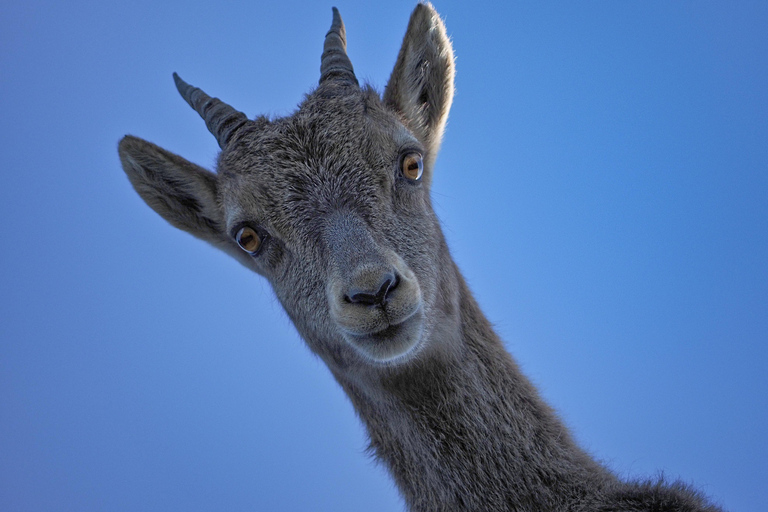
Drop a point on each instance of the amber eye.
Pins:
(412, 166)
(248, 239)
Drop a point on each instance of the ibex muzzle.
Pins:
(373, 296)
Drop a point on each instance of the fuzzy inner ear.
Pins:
(421, 86)
(182, 193)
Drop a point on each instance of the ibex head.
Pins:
(330, 204)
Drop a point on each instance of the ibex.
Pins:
(332, 206)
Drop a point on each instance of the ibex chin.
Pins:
(332, 206)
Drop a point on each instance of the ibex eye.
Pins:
(412, 166)
(248, 240)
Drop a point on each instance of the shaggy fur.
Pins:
(355, 254)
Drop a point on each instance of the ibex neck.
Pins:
(467, 431)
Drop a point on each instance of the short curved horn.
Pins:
(221, 119)
(335, 64)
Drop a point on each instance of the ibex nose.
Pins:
(378, 297)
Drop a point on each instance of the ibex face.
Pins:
(347, 238)
(330, 204)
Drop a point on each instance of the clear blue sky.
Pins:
(603, 185)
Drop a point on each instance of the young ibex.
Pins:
(332, 206)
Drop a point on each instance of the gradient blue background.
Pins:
(603, 185)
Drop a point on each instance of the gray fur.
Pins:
(446, 408)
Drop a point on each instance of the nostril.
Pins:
(394, 284)
(388, 283)
(367, 299)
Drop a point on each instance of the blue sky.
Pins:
(603, 185)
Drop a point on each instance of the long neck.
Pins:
(467, 431)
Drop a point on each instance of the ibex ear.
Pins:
(421, 86)
(182, 193)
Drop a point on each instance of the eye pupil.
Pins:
(248, 240)
(413, 166)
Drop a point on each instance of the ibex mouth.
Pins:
(393, 342)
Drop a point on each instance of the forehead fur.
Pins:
(330, 121)
(338, 136)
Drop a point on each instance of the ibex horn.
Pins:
(334, 63)
(221, 119)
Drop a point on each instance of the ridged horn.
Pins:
(221, 119)
(335, 64)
